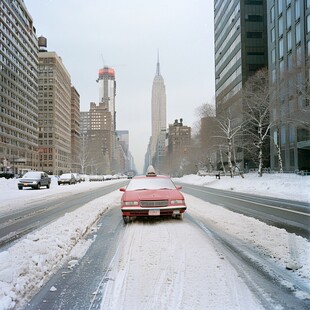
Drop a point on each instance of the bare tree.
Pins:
(256, 97)
(205, 135)
(229, 129)
(206, 110)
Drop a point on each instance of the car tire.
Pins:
(179, 216)
(38, 186)
(48, 186)
(126, 219)
(20, 187)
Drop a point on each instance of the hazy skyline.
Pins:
(126, 36)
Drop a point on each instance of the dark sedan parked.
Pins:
(34, 179)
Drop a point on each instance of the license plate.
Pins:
(154, 212)
(176, 211)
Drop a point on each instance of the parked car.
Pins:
(152, 195)
(96, 177)
(67, 178)
(78, 178)
(7, 175)
(34, 179)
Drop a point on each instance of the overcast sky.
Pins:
(126, 35)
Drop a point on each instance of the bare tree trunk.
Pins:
(221, 157)
(260, 165)
(229, 158)
(279, 158)
(210, 164)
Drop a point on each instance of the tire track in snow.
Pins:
(169, 264)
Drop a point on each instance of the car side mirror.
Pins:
(122, 189)
(179, 187)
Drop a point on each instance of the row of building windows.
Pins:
(230, 65)
(297, 10)
(15, 137)
(25, 40)
(229, 51)
(233, 77)
(232, 17)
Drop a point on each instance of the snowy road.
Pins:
(206, 259)
(215, 258)
(173, 265)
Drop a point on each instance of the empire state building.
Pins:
(158, 107)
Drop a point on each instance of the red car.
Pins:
(152, 195)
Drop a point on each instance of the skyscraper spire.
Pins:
(158, 66)
(158, 107)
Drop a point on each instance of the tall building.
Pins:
(240, 35)
(123, 150)
(97, 139)
(289, 51)
(240, 45)
(75, 130)
(54, 112)
(158, 108)
(19, 90)
(179, 142)
(107, 91)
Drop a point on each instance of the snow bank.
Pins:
(286, 186)
(26, 265)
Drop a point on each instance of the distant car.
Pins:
(78, 178)
(107, 177)
(152, 195)
(96, 177)
(7, 175)
(202, 172)
(34, 179)
(67, 178)
(130, 174)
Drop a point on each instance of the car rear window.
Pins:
(150, 183)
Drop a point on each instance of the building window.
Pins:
(292, 161)
(283, 135)
(308, 4)
(272, 14)
(289, 61)
(288, 2)
(281, 50)
(308, 46)
(288, 18)
(273, 75)
(280, 24)
(280, 6)
(254, 18)
(297, 9)
(273, 37)
(308, 23)
(281, 68)
(273, 56)
(255, 35)
(289, 40)
(298, 33)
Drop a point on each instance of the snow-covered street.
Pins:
(172, 265)
(158, 265)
